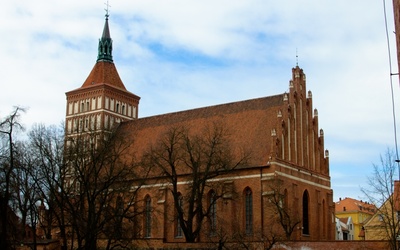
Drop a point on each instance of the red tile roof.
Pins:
(104, 72)
(249, 123)
(351, 205)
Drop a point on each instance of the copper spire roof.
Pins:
(105, 44)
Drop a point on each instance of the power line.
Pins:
(391, 88)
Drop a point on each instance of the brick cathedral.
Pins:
(281, 132)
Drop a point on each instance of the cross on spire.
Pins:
(107, 9)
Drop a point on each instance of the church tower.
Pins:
(102, 101)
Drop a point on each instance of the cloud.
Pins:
(183, 54)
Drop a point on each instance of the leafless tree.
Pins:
(282, 221)
(196, 158)
(47, 148)
(89, 183)
(279, 211)
(104, 180)
(26, 193)
(381, 191)
(8, 126)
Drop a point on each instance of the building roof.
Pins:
(353, 205)
(104, 72)
(344, 220)
(248, 122)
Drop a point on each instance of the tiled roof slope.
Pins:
(248, 122)
(350, 205)
(104, 72)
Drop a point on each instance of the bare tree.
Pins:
(8, 126)
(89, 183)
(104, 180)
(196, 158)
(381, 191)
(26, 193)
(280, 212)
(47, 148)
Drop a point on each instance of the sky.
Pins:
(183, 54)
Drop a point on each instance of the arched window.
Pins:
(179, 232)
(147, 218)
(118, 217)
(117, 110)
(123, 109)
(213, 212)
(306, 223)
(248, 211)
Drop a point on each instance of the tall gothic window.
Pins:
(248, 211)
(306, 229)
(118, 217)
(179, 232)
(213, 212)
(147, 219)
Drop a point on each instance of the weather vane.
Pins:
(297, 58)
(107, 9)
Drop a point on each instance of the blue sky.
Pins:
(183, 54)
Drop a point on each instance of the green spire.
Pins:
(105, 44)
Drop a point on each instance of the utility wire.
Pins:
(391, 87)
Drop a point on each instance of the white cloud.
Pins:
(181, 54)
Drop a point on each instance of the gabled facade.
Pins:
(281, 132)
(344, 228)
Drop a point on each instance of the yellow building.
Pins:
(359, 211)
